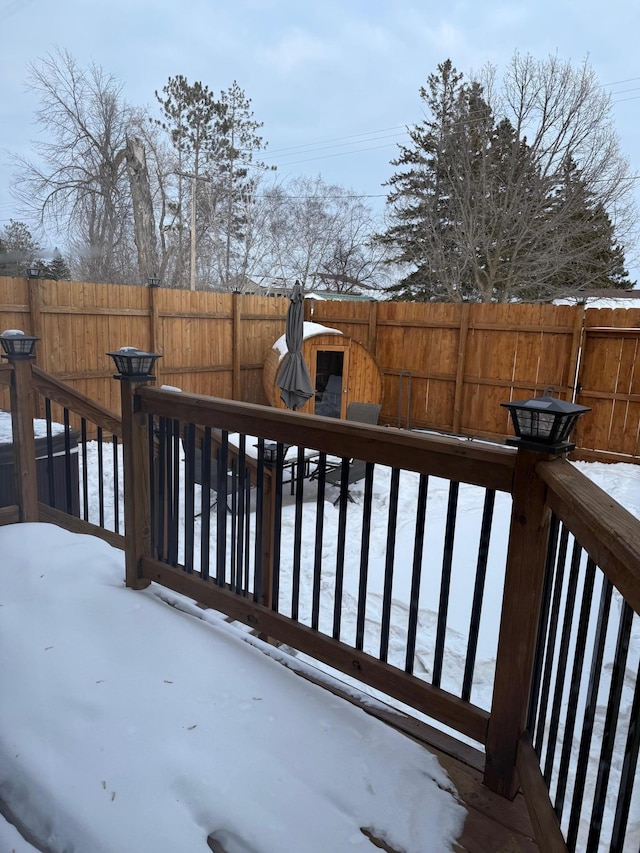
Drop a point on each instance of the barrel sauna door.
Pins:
(330, 367)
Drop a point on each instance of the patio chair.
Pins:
(357, 471)
(364, 413)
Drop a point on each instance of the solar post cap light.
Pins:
(544, 423)
(134, 363)
(16, 344)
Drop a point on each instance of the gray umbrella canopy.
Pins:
(293, 377)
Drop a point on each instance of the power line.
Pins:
(620, 82)
(310, 150)
(339, 138)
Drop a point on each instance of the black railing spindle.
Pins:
(445, 582)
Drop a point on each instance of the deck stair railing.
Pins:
(564, 704)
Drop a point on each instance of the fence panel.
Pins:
(610, 381)
(512, 352)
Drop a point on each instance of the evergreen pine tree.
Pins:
(18, 249)
(477, 212)
(57, 268)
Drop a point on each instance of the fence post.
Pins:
(524, 578)
(137, 487)
(461, 366)
(24, 446)
(373, 328)
(236, 338)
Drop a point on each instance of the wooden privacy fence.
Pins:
(445, 366)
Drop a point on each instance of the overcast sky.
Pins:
(334, 81)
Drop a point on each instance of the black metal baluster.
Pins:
(260, 532)
(51, 483)
(153, 485)
(563, 652)
(205, 504)
(85, 469)
(574, 686)
(116, 483)
(591, 703)
(233, 575)
(100, 479)
(551, 639)
(340, 549)
(390, 552)
(445, 584)
(610, 727)
(67, 462)
(543, 623)
(364, 554)
(297, 535)
(277, 531)
(175, 495)
(221, 510)
(317, 555)
(628, 774)
(247, 531)
(161, 520)
(240, 505)
(416, 572)
(189, 444)
(478, 593)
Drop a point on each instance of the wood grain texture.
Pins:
(524, 578)
(534, 788)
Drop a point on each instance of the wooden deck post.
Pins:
(24, 446)
(137, 487)
(524, 578)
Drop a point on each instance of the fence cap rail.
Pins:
(461, 459)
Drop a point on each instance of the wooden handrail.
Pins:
(76, 402)
(607, 531)
(478, 463)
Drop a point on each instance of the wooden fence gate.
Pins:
(609, 383)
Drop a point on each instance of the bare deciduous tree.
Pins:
(320, 234)
(78, 184)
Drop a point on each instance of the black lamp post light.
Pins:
(16, 344)
(133, 363)
(33, 272)
(544, 423)
(153, 281)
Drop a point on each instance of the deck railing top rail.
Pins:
(463, 460)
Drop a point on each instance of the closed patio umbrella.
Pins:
(293, 377)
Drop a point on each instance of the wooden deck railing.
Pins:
(538, 730)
